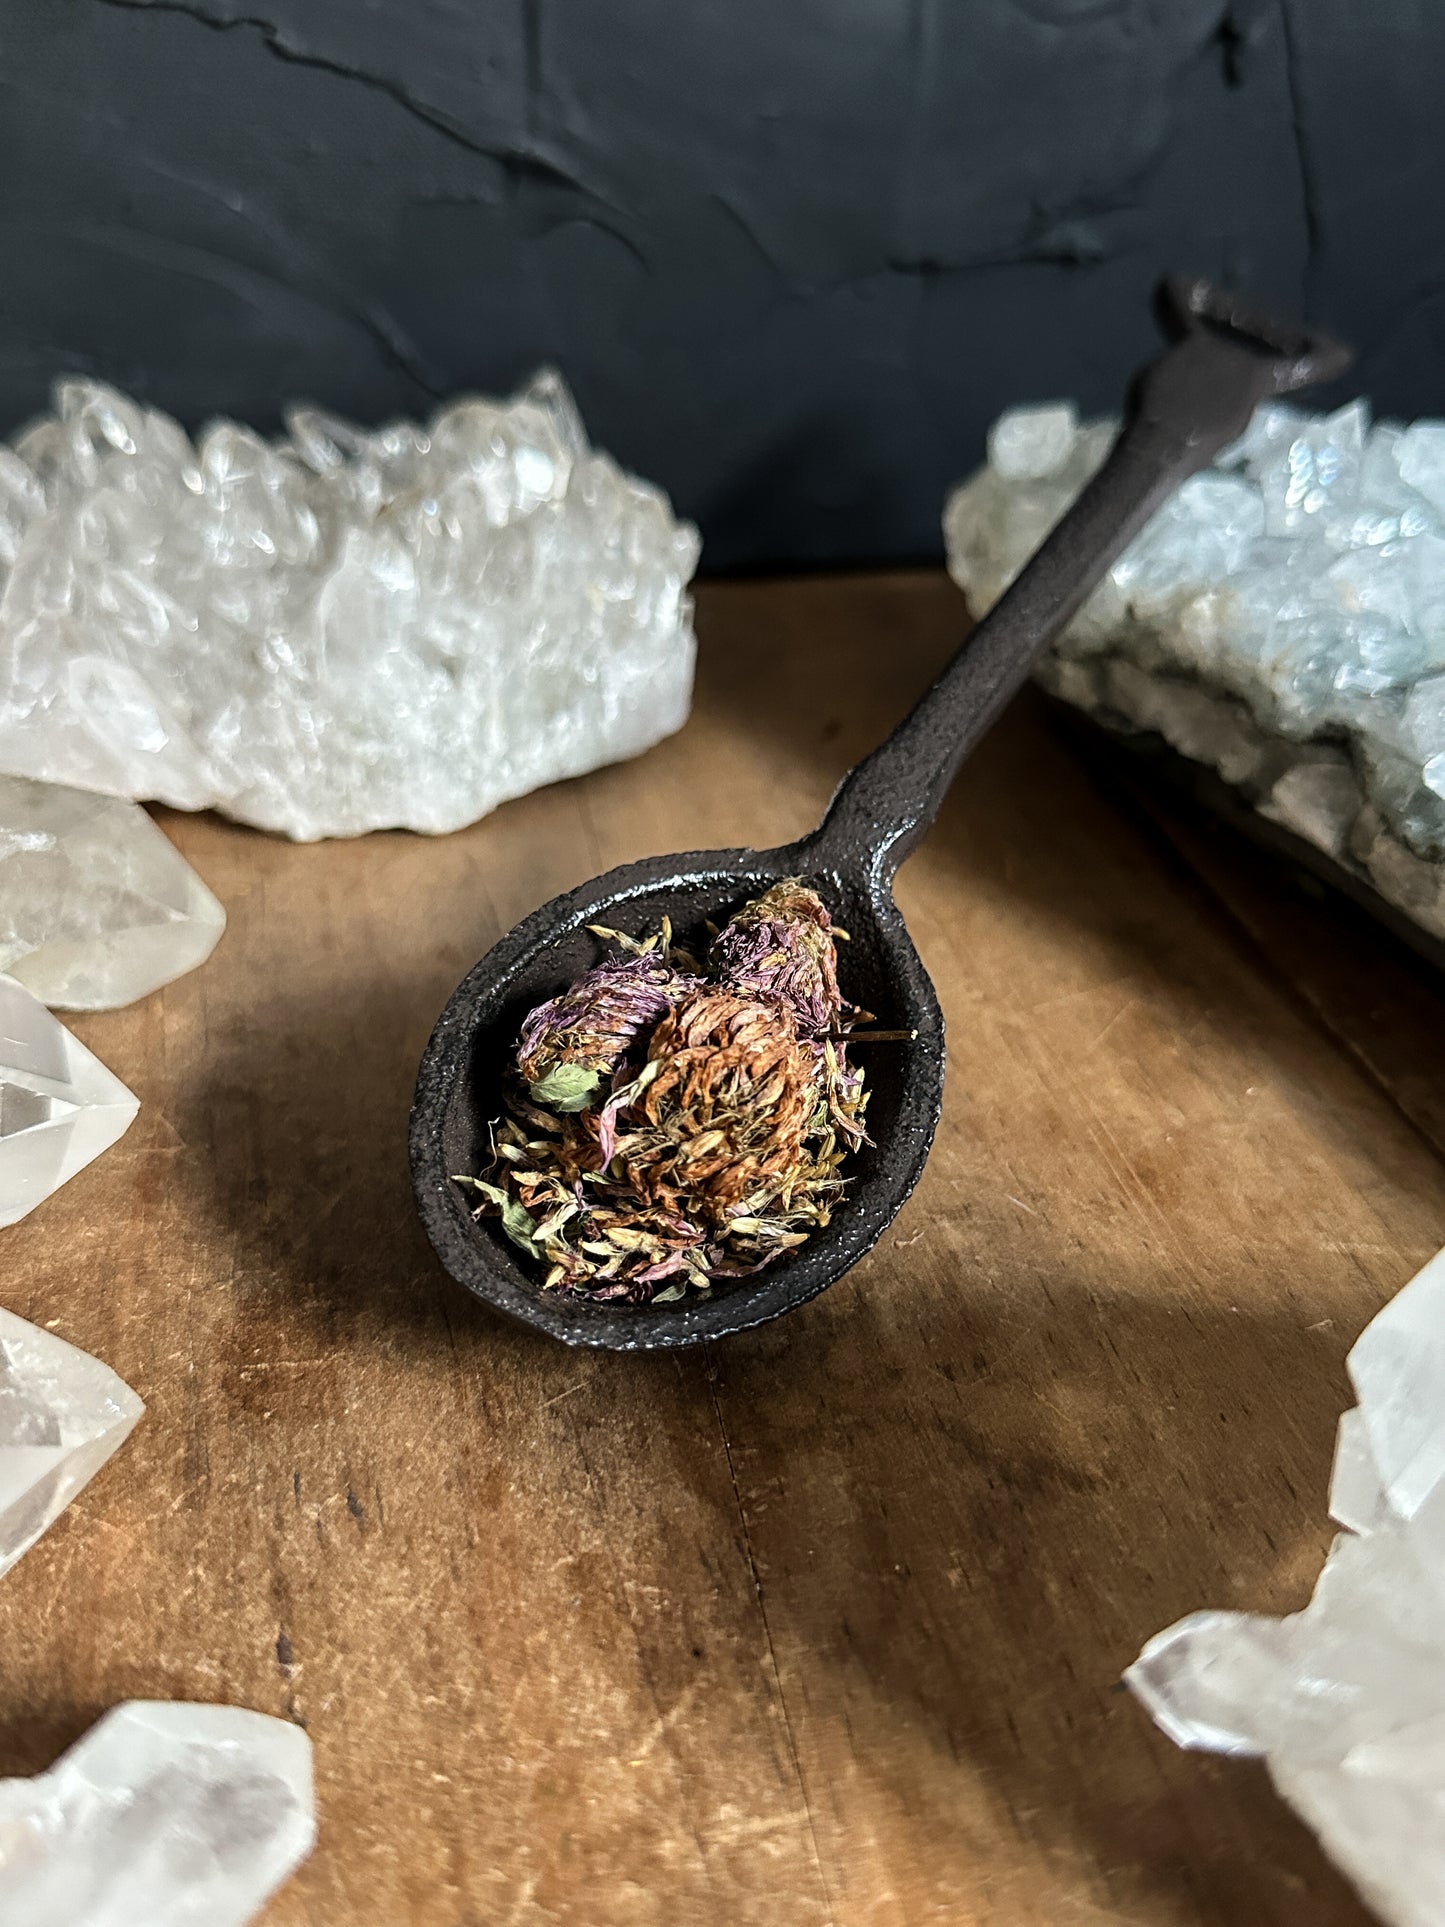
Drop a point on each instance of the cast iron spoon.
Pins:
(1184, 408)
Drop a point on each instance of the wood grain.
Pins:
(823, 1625)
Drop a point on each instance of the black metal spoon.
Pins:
(1186, 406)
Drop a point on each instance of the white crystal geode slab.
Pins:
(97, 905)
(62, 1414)
(338, 631)
(1281, 620)
(59, 1106)
(1346, 1700)
(165, 1814)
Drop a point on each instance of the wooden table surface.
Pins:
(825, 1623)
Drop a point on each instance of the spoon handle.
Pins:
(1191, 402)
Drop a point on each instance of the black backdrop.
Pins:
(793, 255)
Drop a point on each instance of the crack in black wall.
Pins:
(1312, 211)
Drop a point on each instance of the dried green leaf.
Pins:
(521, 1228)
(566, 1087)
(517, 1221)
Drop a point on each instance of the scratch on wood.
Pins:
(557, 1398)
(1123, 1011)
(664, 1723)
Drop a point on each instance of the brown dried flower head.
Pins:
(726, 1109)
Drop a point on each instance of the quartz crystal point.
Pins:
(338, 631)
(1281, 620)
(1346, 1700)
(62, 1414)
(59, 1106)
(97, 906)
(162, 1815)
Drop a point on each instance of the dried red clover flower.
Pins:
(574, 1043)
(726, 1112)
(664, 1131)
(781, 945)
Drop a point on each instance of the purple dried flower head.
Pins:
(570, 1048)
(781, 945)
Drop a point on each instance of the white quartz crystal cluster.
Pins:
(337, 631)
(97, 906)
(1281, 620)
(62, 1414)
(59, 1106)
(1346, 1700)
(162, 1815)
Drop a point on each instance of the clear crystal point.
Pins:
(1190, 1694)
(97, 906)
(1029, 444)
(343, 631)
(165, 1814)
(59, 1106)
(1356, 1499)
(1346, 1700)
(62, 1414)
(1397, 1367)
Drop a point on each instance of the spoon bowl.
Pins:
(1183, 409)
(461, 1076)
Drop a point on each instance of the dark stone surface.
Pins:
(792, 258)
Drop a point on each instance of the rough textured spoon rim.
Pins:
(1184, 408)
